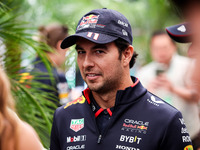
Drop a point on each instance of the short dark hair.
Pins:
(122, 45)
(160, 32)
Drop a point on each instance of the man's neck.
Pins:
(107, 100)
(52, 58)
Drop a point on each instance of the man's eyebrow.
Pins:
(78, 47)
(97, 46)
(100, 46)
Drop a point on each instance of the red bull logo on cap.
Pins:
(88, 22)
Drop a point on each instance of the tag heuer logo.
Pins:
(77, 124)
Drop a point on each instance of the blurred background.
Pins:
(19, 24)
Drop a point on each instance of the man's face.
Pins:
(162, 49)
(99, 64)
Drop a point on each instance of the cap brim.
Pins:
(93, 37)
(180, 33)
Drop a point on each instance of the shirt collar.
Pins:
(97, 109)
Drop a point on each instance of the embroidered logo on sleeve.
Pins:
(185, 135)
(181, 28)
(155, 101)
(79, 100)
(189, 147)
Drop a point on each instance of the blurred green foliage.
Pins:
(31, 104)
(145, 16)
(23, 17)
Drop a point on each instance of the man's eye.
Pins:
(80, 52)
(99, 51)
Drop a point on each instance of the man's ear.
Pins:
(127, 55)
(58, 44)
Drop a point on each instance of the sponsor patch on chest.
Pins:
(77, 124)
(135, 126)
(78, 138)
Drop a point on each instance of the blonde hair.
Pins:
(8, 122)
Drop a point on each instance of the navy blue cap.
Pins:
(101, 26)
(180, 33)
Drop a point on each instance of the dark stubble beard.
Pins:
(109, 85)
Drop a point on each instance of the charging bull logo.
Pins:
(88, 22)
(79, 100)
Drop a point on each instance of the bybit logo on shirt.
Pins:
(130, 139)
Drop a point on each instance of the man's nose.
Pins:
(88, 61)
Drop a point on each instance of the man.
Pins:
(53, 35)
(115, 111)
(164, 70)
(167, 76)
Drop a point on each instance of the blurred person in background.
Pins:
(189, 32)
(52, 35)
(167, 76)
(14, 133)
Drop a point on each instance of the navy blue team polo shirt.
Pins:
(139, 121)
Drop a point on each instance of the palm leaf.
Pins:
(33, 106)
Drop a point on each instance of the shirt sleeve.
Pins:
(54, 141)
(176, 135)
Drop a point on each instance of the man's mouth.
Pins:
(92, 76)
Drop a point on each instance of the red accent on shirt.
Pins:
(109, 111)
(98, 112)
(86, 94)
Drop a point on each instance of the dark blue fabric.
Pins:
(103, 118)
(107, 24)
(140, 121)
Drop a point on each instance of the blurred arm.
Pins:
(28, 138)
(187, 92)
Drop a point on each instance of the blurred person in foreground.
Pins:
(115, 111)
(52, 35)
(14, 133)
(168, 77)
